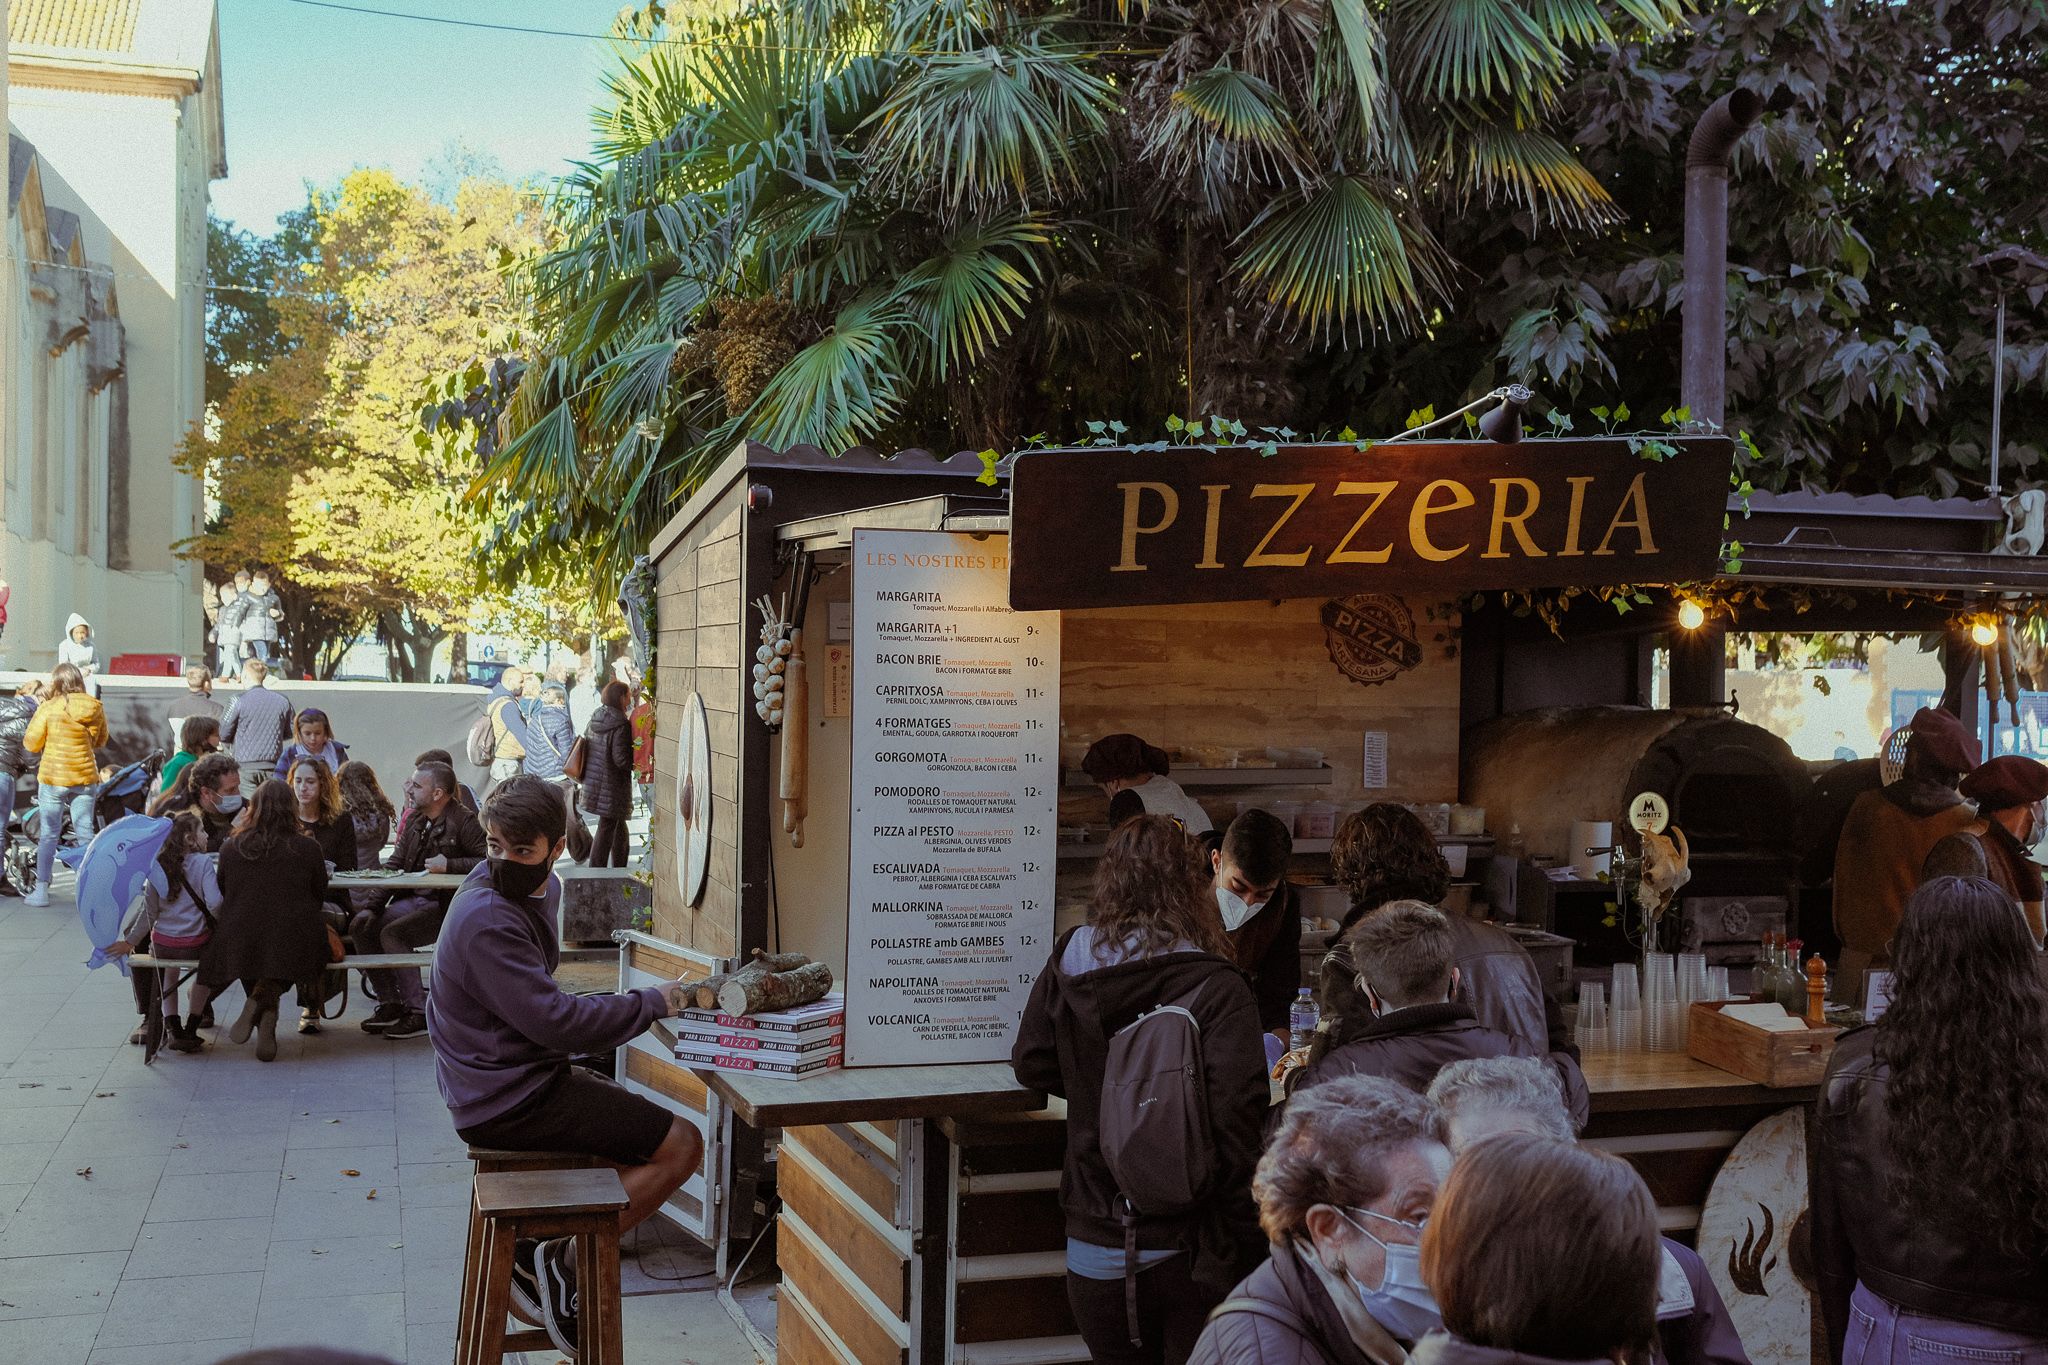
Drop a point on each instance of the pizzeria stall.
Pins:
(904, 804)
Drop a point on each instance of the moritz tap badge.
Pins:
(1370, 636)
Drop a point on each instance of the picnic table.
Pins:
(153, 1018)
(371, 879)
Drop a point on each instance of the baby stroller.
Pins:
(126, 791)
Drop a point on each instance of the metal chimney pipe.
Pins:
(1703, 370)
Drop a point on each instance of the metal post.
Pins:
(1997, 391)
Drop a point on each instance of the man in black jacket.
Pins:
(440, 836)
(1405, 955)
(1260, 914)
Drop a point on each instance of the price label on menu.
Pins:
(954, 799)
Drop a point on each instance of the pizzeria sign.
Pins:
(1123, 527)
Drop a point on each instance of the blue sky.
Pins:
(312, 93)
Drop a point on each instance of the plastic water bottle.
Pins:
(1302, 1018)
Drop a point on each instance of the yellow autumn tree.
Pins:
(318, 457)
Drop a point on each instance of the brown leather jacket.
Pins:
(1860, 1234)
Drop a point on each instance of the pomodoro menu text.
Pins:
(954, 799)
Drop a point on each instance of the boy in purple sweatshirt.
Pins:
(503, 1034)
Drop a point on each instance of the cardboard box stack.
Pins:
(797, 1044)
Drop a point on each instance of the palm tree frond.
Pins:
(1463, 50)
(840, 389)
(992, 126)
(1339, 256)
(1490, 161)
(972, 293)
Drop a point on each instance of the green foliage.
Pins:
(983, 220)
(1859, 335)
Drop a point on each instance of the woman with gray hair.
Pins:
(1344, 1191)
(1488, 1097)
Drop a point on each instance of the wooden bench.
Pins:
(153, 1017)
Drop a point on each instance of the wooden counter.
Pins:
(1675, 1120)
(869, 1093)
(1624, 1081)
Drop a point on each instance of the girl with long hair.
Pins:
(270, 933)
(312, 737)
(174, 919)
(1930, 1175)
(66, 730)
(1153, 938)
(369, 810)
(324, 819)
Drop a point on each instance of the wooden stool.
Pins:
(510, 1205)
(488, 1161)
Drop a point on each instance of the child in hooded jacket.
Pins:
(174, 919)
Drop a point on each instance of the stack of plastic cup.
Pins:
(1593, 1029)
(1717, 987)
(1661, 1027)
(1625, 1011)
(1692, 985)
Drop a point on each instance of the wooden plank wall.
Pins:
(700, 632)
(842, 1247)
(1249, 675)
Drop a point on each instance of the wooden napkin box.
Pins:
(1793, 1057)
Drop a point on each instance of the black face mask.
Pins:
(518, 881)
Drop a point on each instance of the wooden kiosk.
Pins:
(1290, 630)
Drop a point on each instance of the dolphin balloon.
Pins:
(111, 873)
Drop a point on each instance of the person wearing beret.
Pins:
(2010, 792)
(1886, 840)
(1132, 774)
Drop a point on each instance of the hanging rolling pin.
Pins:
(796, 740)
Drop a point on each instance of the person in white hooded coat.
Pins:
(79, 649)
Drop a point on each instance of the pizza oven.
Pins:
(1734, 789)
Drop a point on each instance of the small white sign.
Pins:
(1372, 767)
(955, 770)
(838, 622)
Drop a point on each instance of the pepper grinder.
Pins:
(1816, 992)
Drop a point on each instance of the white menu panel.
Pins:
(955, 782)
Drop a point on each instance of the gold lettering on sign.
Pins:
(1579, 483)
(1215, 519)
(1517, 522)
(1258, 558)
(1379, 491)
(1640, 501)
(1134, 494)
(1426, 506)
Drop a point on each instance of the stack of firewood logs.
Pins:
(771, 981)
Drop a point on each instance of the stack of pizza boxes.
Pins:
(795, 1044)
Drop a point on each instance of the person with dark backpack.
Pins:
(1144, 1024)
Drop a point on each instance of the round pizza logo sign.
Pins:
(1371, 636)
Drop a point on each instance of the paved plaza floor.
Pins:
(177, 1213)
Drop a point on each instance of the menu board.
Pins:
(955, 781)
